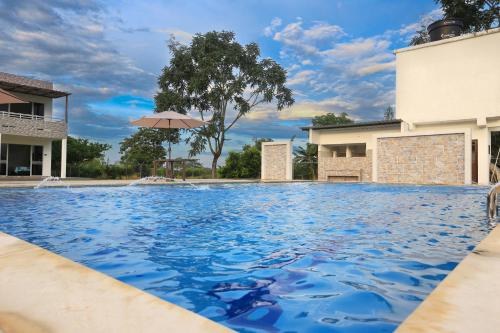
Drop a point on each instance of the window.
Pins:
(37, 155)
(3, 159)
(38, 109)
(358, 150)
(36, 160)
(4, 107)
(24, 108)
(339, 151)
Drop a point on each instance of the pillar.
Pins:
(348, 152)
(483, 158)
(64, 147)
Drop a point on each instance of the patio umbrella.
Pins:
(8, 98)
(168, 120)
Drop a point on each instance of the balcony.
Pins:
(32, 125)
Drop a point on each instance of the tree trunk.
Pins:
(214, 165)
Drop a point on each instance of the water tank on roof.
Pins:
(445, 28)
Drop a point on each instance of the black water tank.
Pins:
(445, 28)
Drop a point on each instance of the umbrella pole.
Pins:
(169, 148)
(170, 152)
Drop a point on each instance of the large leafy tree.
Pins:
(145, 146)
(476, 15)
(223, 81)
(331, 119)
(244, 164)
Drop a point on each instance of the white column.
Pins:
(348, 152)
(483, 159)
(47, 159)
(64, 147)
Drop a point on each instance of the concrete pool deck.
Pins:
(41, 292)
(467, 300)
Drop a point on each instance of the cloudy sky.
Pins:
(108, 54)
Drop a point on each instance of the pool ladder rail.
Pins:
(492, 202)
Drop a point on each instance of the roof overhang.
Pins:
(37, 91)
(357, 126)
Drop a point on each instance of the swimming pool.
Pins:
(307, 257)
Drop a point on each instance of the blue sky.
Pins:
(338, 55)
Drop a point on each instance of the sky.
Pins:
(338, 55)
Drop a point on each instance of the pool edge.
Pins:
(467, 299)
(41, 292)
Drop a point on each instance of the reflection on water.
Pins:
(263, 258)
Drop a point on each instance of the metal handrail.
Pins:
(492, 201)
(6, 114)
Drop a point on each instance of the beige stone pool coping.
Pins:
(468, 299)
(41, 292)
(116, 182)
(124, 182)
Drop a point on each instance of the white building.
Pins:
(447, 109)
(27, 130)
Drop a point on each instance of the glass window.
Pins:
(37, 154)
(24, 108)
(4, 107)
(3, 152)
(36, 169)
(19, 160)
(38, 109)
(3, 169)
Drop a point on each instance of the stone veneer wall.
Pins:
(345, 167)
(424, 159)
(275, 159)
(34, 128)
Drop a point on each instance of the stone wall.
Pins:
(276, 161)
(33, 127)
(424, 159)
(345, 168)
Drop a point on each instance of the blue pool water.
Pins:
(263, 258)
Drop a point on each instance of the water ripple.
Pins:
(263, 257)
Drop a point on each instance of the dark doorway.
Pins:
(474, 161)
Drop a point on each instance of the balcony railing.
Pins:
(4, 114)
(32, 125)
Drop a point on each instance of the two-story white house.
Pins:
(28, 129)
(447, 115)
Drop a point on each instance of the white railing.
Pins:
(6, 114)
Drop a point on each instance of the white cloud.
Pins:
(306, 40)
(300, 77)
(269, 30)
(305, 109)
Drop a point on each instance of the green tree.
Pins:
(331, 119)
(476, 15)
(389, 113)
(79, 150)
(145, 146)
(244, 164)
(306, 161)
(215, 74)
